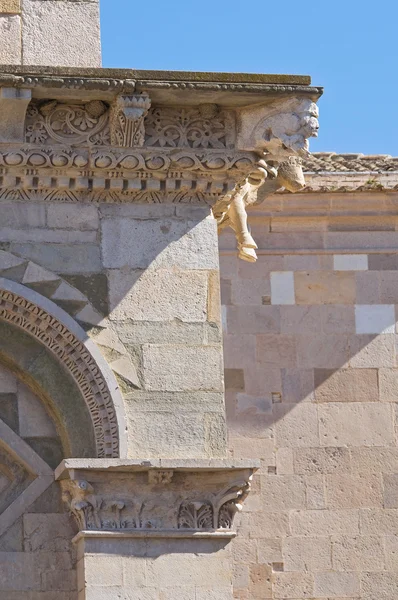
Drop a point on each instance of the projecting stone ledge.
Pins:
(156, 498)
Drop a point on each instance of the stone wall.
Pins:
(37, 559)
(50, 32)
(312, 381)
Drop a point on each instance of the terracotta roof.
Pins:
(330, 162)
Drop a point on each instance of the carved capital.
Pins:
(127, 496)
(280, 129)
(127, 120)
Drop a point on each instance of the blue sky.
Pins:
(348, 46)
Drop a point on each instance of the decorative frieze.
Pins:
(127, 117)
(130, 495)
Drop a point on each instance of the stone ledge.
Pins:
(138, 465)
(155, 534)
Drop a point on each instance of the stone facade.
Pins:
(311, 384)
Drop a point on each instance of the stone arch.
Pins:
(64, 339)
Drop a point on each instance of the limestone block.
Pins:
(33, 418)
(266, 525)
(21, 215)
(10, 6)
(10, 35)
(388, 287)
(49, 532)
(72, 216)
(284, 461)
(296, 425)
(159, 243)
(106, 570)
(375, 318)
(182, 368)
(297, 385)
(282, 492)
(300, 319)
(250, 292)
(269, 550)
(173, 570)
(368, 287)
(350, 262)
(310, 523)
(375, 586)
(391, 552)
(313, 461)
(322, 351)
(307, 554)
(354, 491)
(315, 492)
(8, 382)
(337, 584)
(346, 385)
(323, 287)
(338, 319)
(388, 381)
(282, 288)
(293, 585)
(277, 350)
(374, 460)
(119, 593)
(360, 553)
(62, 258)
(390, 491)
(158, 295)
(356, 424)
(253, 319)
(18, 572)
(260, 585)
(61, 33)
(375, 522)
(370, 351)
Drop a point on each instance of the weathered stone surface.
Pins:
(307, 554)
(346, 385)
(337, 584)
(325, 288)
(61, 33)
(360, 553)
(62, 258)
(71, 216)
(10, 6)
(10, 34)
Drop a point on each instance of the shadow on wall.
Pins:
(309, 346)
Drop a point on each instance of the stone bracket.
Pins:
(13, 106)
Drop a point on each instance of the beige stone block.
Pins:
(388, 382)
(214, 298)
(293, 585)
(10, 35)
(244, 550)
(259, 379)
(265, 525)
(322, 351)
(239, 351)
(159, 243)
(10, 6)
(284, 461)
(282, 492)
(158, 295)
(296, 425)
(354, 491)
(248, 447)
(182, 368)
(390, 490)
(240, 576)
(21, 215)
(323, 287)
(346, 385)
(104, 570)
(48, 532)
(34, 420)
(314, 523)
(185, 593)
(315, 492)
(359, 553)
(262, 268)
(62, 258)
(379, 586)
(297, 385)
(260, 581)
(247, 292)
(313, 461)
(60, 236)
(270, 551)
(61, 33)
(119, 593)
(73, 216)
(391, 553)
(307, 554)
(374, 460)
(203, 571)
(300, 319)
(368, 287)
(373, 352)
(253, 319)
(277, 350)
(250, 405)
(338, 319)
(356, 424)
(203, 594)
(375, 522)
(337, 584)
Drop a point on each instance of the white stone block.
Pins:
(65, 34)
(350, 262)
(282, 287)
(375, 318)
(10, 40)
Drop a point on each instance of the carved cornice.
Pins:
(127, 497)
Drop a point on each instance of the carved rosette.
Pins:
(129, 498)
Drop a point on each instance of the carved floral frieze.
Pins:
(163, 501)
